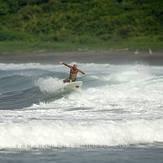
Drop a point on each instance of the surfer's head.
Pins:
(74, 66)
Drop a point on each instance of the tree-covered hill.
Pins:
(80, 20)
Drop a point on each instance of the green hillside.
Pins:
(113, 23)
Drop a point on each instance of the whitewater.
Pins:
(118, 105)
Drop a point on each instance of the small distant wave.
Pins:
(24, 66)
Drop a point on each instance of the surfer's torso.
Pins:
(73, 73)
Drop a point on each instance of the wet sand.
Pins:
(112, 57)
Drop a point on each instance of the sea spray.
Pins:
(49, 84)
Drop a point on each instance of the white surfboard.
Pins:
(73, 85)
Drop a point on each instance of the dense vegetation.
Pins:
(81, 21)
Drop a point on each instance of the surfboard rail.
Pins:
(73, 85)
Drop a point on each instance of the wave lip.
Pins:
(59, 133)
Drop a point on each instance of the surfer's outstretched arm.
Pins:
(65, 64)
(82, 72)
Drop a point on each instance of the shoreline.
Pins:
(118, 56)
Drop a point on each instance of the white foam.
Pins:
(132, 96)
(75, 134)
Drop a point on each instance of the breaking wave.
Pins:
(118, 105)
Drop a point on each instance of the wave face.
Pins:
(118, 105)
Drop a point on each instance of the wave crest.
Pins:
(70, 134)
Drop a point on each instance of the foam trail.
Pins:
(70, 134)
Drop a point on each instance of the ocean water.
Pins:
(117, 116)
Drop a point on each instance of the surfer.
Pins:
(73, 72)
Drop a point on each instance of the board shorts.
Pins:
(69, 80)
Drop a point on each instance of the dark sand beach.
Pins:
(112, 57)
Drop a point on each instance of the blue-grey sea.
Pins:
(116, 117)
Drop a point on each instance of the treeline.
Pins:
(80, 20)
